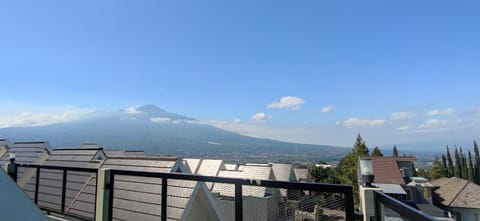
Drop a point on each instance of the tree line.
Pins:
(462, 165)
(346, 171)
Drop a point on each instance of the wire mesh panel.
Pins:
(136, 198)
(390, 215)
(223, 195)
(268, 203)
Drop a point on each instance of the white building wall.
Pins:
(467, 214)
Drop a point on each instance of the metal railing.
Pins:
(344, 190)
(389, 208)
(64, 179)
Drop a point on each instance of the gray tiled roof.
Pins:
(25, 152)
(123, 153)
(231, 166)
(457, 192)
(245, 172)
(302, 174)
(51, 180)
(193, 164)
(139, 198)
(209, 167)
(283, 172)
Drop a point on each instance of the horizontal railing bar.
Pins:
(252, 182)
(402, 208)
(77, 169)
(319, 187)
(181, 176)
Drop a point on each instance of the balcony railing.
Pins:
(336, 199)
(388, 208)
(63, 181)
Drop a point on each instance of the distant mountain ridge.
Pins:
(157, 131)
(151, 111)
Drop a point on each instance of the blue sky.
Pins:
(396, 72)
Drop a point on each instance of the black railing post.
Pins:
(37, 183)
(349, 205)
(64, 189)
(238, 202)
(96, 188)
(110, 195)
(164, 198)
(12, 170)
(378, 208)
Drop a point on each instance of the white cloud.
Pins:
(432, 123)
(258, 117)
(312, 135)
(326, 109)
(45, 118)
(160, 119)
(402, 115)
(289, 102)
(403, 128)
(441, 112)
(355, 122)
(237, 120)
(132, 110)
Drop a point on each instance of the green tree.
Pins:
(438, 170)
(445, 165)
(395, 151)
(471, 171)
(477, 162)
(347, 168)
(451, 171)
(376, 152)
(424, 173)
(324, 175)
(464, 164)
(458, 164)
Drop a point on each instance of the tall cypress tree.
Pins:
(477, 162)
(471, 172)
(451, 171)
(445, 165)
(395, 151)
(458, 164)
(464, 164)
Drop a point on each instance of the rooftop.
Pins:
(387, 170)
(457, 192)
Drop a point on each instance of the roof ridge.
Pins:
(27, 142)
(79, 148)
(148, 157)
(459, 192)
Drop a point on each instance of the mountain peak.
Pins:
(151, 110)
